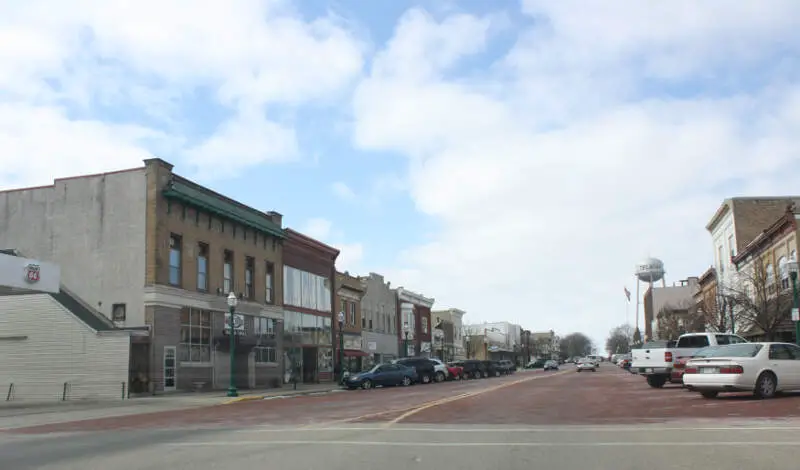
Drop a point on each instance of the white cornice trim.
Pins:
(414, 298)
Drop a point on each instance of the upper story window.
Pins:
(249, 267)
(770, 278)
(175, 259)
(352, 315)
(307, 290)
(783, 271)
(270, 283)
(424, 323)
(202, 267)
(731, 246)
(227, 272)
(721, 259)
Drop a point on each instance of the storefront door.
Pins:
(170, 369)
(309, 365)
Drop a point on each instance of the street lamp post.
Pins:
(405, 339)
(232, 303)
(467, 344)
(793, 268)
(340, 317)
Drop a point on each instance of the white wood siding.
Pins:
(59, 348)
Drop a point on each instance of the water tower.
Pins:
(650, 270)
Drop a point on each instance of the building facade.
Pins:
(309, 273)
(762, 289)
(378, 320)
(678, 299)
(349, 292)
(706, 302)
(450, 321)
(414, 323)
(149, 248)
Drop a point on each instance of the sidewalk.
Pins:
(21, 413)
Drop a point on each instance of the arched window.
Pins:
(770, 278)
(783, 270)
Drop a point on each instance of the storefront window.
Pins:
(325, 363)
(195, 344)
(265, 354)
(292, 364)
(325, 337)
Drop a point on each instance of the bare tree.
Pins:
(620, 339)
(714, 311)
(675, 320)
(758, 300)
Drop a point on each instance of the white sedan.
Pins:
(761, 368)
(586, 364)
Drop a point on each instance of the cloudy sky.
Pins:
(515, 159)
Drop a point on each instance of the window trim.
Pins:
(181, 344)
(226, 289)
(178, 239)
(200, 245)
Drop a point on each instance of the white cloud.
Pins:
(351, 255)
(551, 189)
(343, 191)
(251, 55)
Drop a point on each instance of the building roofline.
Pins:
(75, 177)
(721, 211)
(785, 221)
(711, 272)
(294, 235)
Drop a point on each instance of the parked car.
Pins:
(382, 375)
(455, 372)
(679, 365)
(551, 365)
(761, 368)
(535, 364)
(585, 363)
(490, 369)
(440, 367)
(472, 368)
(654, 360)
(426, 369)
(506, 367)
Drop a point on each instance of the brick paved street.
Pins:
(610, 396)
(561, 420)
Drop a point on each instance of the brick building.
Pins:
(349, 292)
(414, 325)
(150, 249)
(309, 273)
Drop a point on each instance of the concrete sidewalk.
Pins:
(23, 414)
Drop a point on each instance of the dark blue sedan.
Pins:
(383, 375)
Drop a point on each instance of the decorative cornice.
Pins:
(414, 298)
(165, 296)
(723, 209)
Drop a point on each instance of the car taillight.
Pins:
(690, 370)
(679, 365)
(731, 370)
(668, 356)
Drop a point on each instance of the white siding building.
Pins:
(52, 347)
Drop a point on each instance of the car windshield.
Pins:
(736, 350)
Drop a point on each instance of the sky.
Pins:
(515, 159)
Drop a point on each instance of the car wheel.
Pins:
(766, 385)
(440, 377)
(366, 385)
(406, 381)
(709, 394)
(426, 379)
(477, 374)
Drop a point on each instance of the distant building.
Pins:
(678, 299)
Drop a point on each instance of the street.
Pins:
(559, 420)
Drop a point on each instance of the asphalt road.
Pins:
(606, 420)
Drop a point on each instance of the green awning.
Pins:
(248, 217)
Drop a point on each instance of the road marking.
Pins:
(485, 444)
(425, 406)
(576, 429)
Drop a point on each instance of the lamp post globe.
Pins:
(233, 301)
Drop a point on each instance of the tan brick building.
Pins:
(152, 250)
(349, 292)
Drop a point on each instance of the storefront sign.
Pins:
(238, 323)
(372, 346)
(26, 273)
(352, 342)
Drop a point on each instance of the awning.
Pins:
(354, 353)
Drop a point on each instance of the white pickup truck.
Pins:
(655, 358)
